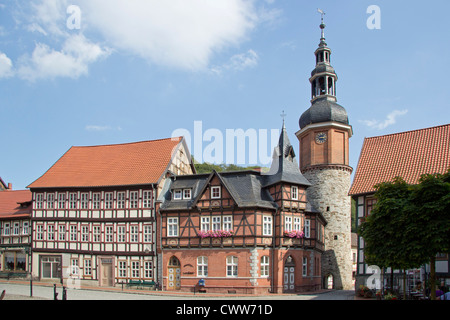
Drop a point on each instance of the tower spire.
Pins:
(322, 26)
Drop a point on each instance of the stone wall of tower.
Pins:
(329, 195)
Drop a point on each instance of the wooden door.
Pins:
(289, 275)
(174, 274)
(107, 275)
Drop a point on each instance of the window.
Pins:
(74, 267)
(84, 203)
(305, 267)
(96, 234)
(370, 204)
(148, 269)
(85, 233)
(204, 224)
(133, 199)
(202, 266)
(50, 266)
(61, 200)
(307, 228)
(121, 233)
(228, 223)
(109, 234)
(232, 266)
(72, 201)
(87, 267)
(135, 269)
(187, 194)
(50, 232)
(109, 200)
(39, 201)
(134, 233)
(215, 223)
(73, 233)
(16, 229)
(215, 192)
(264, 266)
(50, 200)
(147, 233)
(120, 200)
(177, 195)
(39, 232)
(96, 201)
(297, 223)
(62, 232)
(122, 269)
(267, 225)
(6, 229)
(288, 224)
(294, 193)
(147, 199)
(172, 227)
(26, 228)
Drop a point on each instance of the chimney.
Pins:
(10, 186)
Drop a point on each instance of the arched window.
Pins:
(232, 266)
(174, 262)
(330, 86)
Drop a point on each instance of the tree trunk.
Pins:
(433, 278)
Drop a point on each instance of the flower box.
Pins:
(215, 234)
(294, 234)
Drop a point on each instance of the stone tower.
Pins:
(324, 160)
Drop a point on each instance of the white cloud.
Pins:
(71, 61)
(390, 120)
(175, 33)
(6, 66)
(239, 62)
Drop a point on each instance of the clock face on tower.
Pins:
(321, 137)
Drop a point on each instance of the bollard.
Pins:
(64, 293)
(55, 294)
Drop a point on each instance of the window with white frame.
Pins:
(74, 269)
(294, 193)
(122, 269)
(109, 200)
(305, 267)
(72, 200)
(148, 269)
(307, 228)
(215, 192)
(84, 201)
(85, 233)
(134, 233)
(187, 194)
(96, 233)
(26, 228)
(204, 226)
(264, 266)
(50, 200)
(96, 201)
(133, 199)
(288, 223)
(73, 233)
(50, 232)
(61, 232)
(39, 201)
(147, 233)
(297, 223)
(87, 267)
(16, 229)
(232, 266)
(121, 233)
(39, 232)
(135, 269)
(172, 227)
(267, 225)
(228, 223)
(109, 233)
(202, 266)
(147, 199)
(177, 194)
(215, 225)
(6, 229)
(120, 200)
(61, 200)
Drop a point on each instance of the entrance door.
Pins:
(107, 275)
(289, 275)
(174, 274)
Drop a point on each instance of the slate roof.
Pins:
(10, 204)
(323, 110)
(406, 154)
(137, 163)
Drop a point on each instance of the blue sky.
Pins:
(106, 72)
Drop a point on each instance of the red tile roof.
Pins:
(406, 154)
(136, 163)
(10, 204)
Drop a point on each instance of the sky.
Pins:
(92, 72)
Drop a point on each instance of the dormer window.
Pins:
(182, 194)
(187, 194)
(215, 192)
(177, 195)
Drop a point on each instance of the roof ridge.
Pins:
(129, 143)
(409, 131)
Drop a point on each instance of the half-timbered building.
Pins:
(241, 232)
(15, 235)
(94, 211)
(408, 155)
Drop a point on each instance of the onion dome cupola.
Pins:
(323, 89)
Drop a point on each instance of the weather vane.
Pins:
(322, 25)
(283, 115)
(322, 13)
